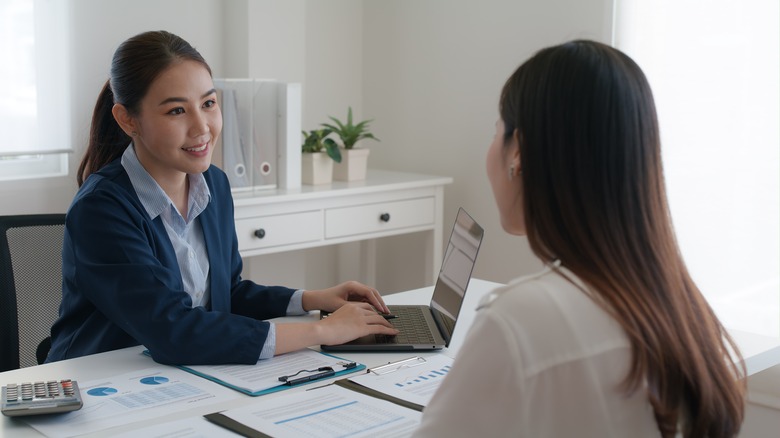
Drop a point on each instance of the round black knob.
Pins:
(260, 233)
(384, 217)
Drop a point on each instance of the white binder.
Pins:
(260, 142)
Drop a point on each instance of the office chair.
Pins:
(30, 286)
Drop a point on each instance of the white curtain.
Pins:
(714, 67)
(34, 104)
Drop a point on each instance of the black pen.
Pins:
(388, 316)
(322, 375)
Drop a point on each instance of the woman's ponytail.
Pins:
(107, 141)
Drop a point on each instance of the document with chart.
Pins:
(413, 380)
(133, 397)
(328, 411)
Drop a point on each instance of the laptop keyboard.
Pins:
(411, 323)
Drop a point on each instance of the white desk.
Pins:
(384, 204)
(760, 352)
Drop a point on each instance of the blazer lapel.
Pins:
(220, 299)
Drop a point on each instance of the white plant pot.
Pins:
(354, 163)
(316, 168)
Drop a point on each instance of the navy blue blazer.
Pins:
(122, 285)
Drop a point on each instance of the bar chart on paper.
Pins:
(424, 380)
(327, 411)
(415, 384)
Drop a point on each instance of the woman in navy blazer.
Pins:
(150, 254)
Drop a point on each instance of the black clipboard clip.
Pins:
(319, 373)
(392, 367)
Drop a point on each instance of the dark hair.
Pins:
(136, 64)
(594, 198)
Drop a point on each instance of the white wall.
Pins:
(429, 72)
(433, 71)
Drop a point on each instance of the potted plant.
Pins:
(353, 166)
(318, 154)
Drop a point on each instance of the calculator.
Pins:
(50, 397)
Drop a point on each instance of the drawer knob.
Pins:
(384, 217)
(260, 233)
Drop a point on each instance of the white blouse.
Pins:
(541, 360)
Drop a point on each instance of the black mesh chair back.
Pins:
(30, 286)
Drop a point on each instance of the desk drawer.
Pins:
(279, 230)
(372, 218)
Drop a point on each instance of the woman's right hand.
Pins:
(351, 321)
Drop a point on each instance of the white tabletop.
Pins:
(760, 352)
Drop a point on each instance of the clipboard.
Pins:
(346, 367)
(388, 368)
(223, 420)
(232, 425)
(392, 367)
(314, 411)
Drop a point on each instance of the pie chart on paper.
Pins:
(102, 391)
(154, 380)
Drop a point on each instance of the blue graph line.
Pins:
(316, 413)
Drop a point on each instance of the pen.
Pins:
(317, 376)
(389, 316)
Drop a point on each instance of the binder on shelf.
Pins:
(256, 148)
(234, 145)
(289, 99)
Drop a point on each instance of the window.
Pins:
(34, 105)
(714, 69)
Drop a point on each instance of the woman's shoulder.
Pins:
(111, 181)
(554, 302)
(535, 289)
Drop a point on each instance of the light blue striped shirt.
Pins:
(187, 236)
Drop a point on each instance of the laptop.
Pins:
(430, 327)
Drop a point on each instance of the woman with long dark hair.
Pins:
(150, 253)
(612, 338)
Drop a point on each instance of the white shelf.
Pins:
(386, 203)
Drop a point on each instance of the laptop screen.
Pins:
(456, 268)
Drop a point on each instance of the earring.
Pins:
(511, 172)
(133, 133)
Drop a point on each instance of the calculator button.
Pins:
(39, 389)
(53, 388)
(67, 387)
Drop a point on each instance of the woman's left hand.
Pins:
(332, 298)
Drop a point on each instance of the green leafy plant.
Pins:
(316, 140)
(348, 132)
